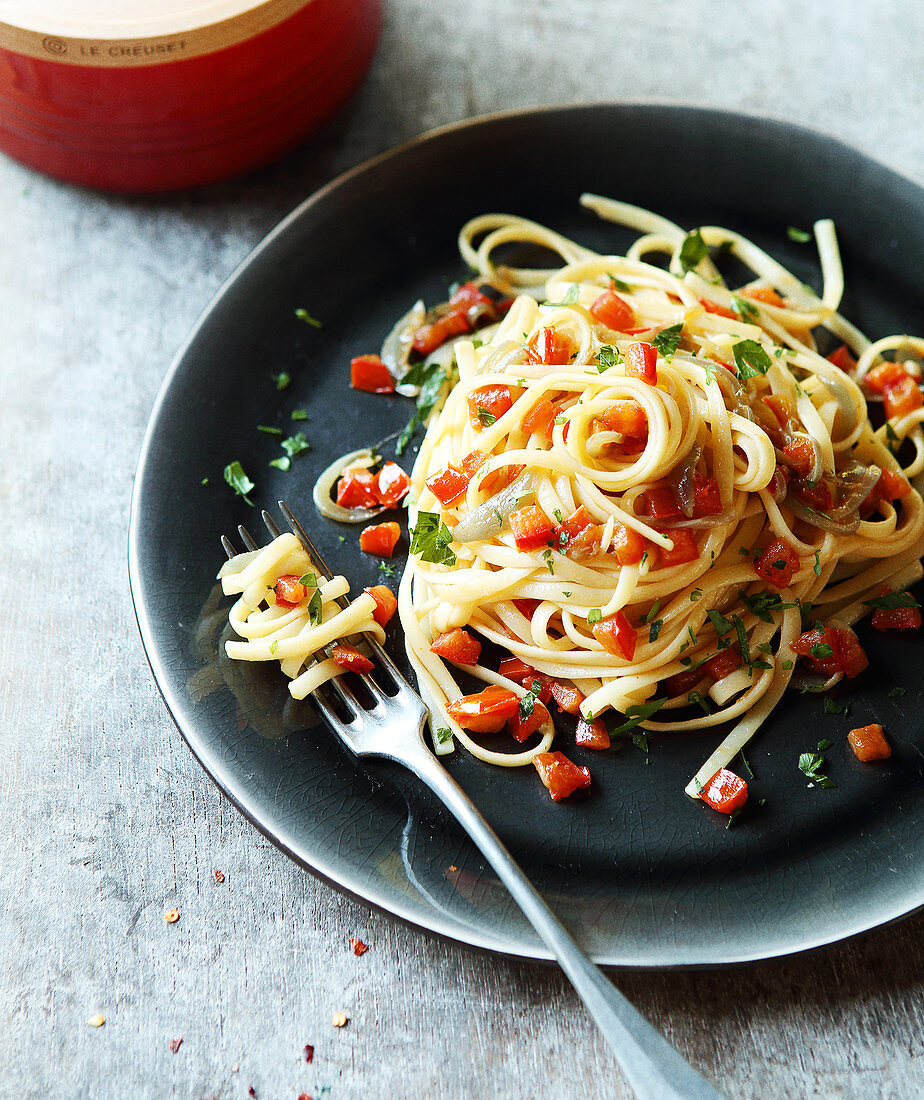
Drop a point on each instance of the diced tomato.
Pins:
(627, 417)
(549, 347)
(488, 401)
(719, 311)
(391, 484)
(357, 489)
(514, 669)
(346, 656)
(778, 485)
(470, 296)
(521, 726)
(433, 334)
(765, 294)
(782, 408)
(682, 683)
(473, 462)
(707, 500)
(684, 550)
(380, 539)
(591, 735)
(896, 618)
(723, 664)
(617, 635)
(799, 456)
(610, 310)
(500, 478)
(777, 564)
(846, 654)
(579, 535)
(531, 527)
(869, 743)
(843, 359)
(883, 375)
(902, 397)
(539, 419)
(448, 485)
(586, 543)
(891, 486)
(660, 502)
(560, 775)
(486, 712)
(628, 545)
(817, 495)
(725, 791)
(566, 696)
(526, 607)
(457, 646)
(369, 373)
(642, 362)
(386, 603)
(289, 591)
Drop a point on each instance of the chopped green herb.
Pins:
(787, 665)
(443, 734)
(571, 296)
(556, 512)
(696, 594)
(709, 369)
(810, 764)
(239, 481)
(299, 414)
(638, 713)
(744, 763)
(485, 417)
(618, 284)
(652, 611)
(268, 429)
(895, 692)
(800, 236)
(567, 595)
(693, 251)
(609, 357)
(824, 743)
(721, 624)
(692, 635)
(654, 630)
(644, 558)
(816, 568)
(888, 601)
(309, 580)
(431, 538)
(594, 616)
(892, 436)
(529, 699)
(283, 380)
(547, 558)
(274, 645)
(746, 310)
(668, 340)
(750, 359)
(314, 608)
(204, 481)
(304, 315)
(386, 569)
(821, 650)
(742, 640)
(695, 698)
(560, 419)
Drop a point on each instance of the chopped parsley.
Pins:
(283, 379)
(895, 692)
(618, 284)
(431, 538)
(293, 446)
(693, 251)
(304, 315)
(821, 650)
(655, 629)
(485, 416)
(750, 359)
(800, 236)
(816, 568)
(529, 699)
(810, 764)
(594, 616)
(668, 340)
(314, 608)
(443, 734)
(268, 429)
(609, 357)
(746, 310)
(696, 594)
(386, 569)
(638, 713)
(274, 645)
(889, 601)
(833, 707)
(309, 580)
(299, 414)
(239, 481)
(571, 296)
(721, 624)
(547, 558)
(699, 700)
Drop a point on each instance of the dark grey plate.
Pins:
(642, 875)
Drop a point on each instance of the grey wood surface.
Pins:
(105, 818)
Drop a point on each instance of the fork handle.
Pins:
(654, 1069)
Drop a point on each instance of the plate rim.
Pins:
(440, 925)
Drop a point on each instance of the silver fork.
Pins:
(392, 727)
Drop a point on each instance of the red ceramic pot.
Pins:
(151, 99)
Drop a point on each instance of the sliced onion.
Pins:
(858, 481)
(483, 523)
(822, 521)
(699, 522)
(396, 347)
(325, 483)
(682, 480)
(846, 406)
(806, 681)
(734, 392)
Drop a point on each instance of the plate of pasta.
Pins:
(623, 467)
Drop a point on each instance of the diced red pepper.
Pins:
(380, 539)
(386, 603)
(470, 296)
(719, 311)
(521, 726)
(884, 375)
(347, 657)
(628, 545)
(566, 696)
(539, 419)
(560, 775)
(843, 359)
(457, 646)
(391, 484)
(526, 607)
(723, 664)
(369, 373)
(531, 528)
(891, 486)
(610, 310)
(473, 462)
(682, 683)
(902, 397)
(448, 485)
(782, 408)
(289, 591)
(869, 743)
(896, 618)
(433, 334)
(500, 478)
(514, 669)
(591, 735)
(684, 550)
(846, 654)
(549, 347)
(660, 502)
(725, 791)
(486, 712)
(707, 500)
(642, 362)
(626, 416)
(777, 564)
(487, 402)
(799, 456)
(617, 635)
(818, 495)
(357, 489)
(765, 294)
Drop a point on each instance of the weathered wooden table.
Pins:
(106, 818)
